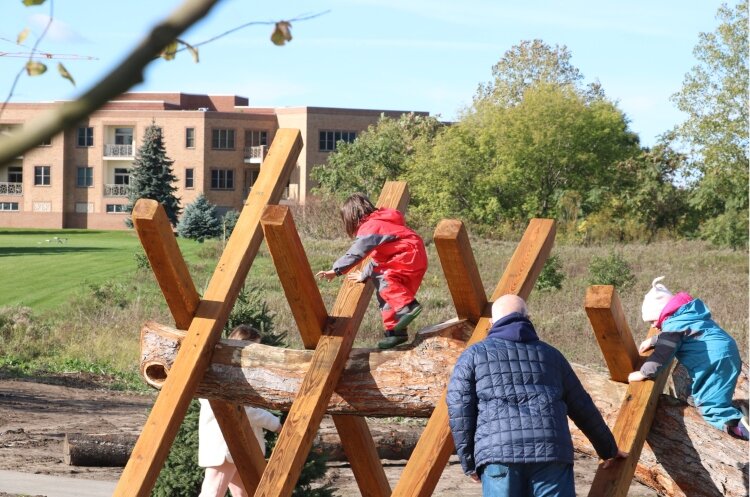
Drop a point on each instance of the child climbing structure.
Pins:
(330, 337)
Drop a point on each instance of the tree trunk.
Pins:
(683, 455)
(394, 441)
(101, 450)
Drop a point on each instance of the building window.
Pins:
(222, 179)
(255, 138)
(122, 176)
(189, 176)
(85, 137)
(123, 136)
(42, 175)
(329, 139)
(222, 139)
(116, 208)
(84, 207)
(8, 206)
(189, 137)
(46, 143)
(15, 174)
(85, 177)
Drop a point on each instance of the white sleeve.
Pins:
(262, 418)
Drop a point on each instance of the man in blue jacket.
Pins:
(508, 402)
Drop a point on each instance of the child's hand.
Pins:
(636, 376)
(354, 276)
(326, 275)
(645, 346)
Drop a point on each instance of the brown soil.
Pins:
(35, 416)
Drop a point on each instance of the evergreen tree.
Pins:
(200, 221)
(152, 176)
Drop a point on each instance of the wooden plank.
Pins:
(460, 269)
(155, 232)
(295, 274)
(631, 429)
(422, 472)
(310, 314)
(158, 433)
(326, 366)
(611, 329)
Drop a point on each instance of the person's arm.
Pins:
(585, 415)
(665, 346)
(262, 418)
(362, 246)
(463, 410)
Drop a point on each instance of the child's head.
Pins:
(245, 332)
(355, 209)
(655, 300)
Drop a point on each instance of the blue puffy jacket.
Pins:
(509, 398)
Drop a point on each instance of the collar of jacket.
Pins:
(515, 327)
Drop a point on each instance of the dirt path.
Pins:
(34, 418)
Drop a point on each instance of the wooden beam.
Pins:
(327, 363)
(611, 329)
(310, 314)
(155, 232)
(169, 410)
(422, 472)
(631, 429)
(460, 269)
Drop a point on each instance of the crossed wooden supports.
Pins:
(331, 336)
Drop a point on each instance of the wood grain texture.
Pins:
(169, 410)
(604, 309)
(460, 269)
(422, 472)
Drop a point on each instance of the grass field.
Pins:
(92, 298)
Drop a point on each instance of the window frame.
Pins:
(42, 175)
(118, 173)
(88, 177)
(328, 138)
(218, 179)
(190, 137)
(9, 207)
(219, 142)
(87, 137)
(189, 177)
(116, 209)
(15, 170)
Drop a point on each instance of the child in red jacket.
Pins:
(397, 265)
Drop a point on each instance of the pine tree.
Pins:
(152, 176)
(200, 221)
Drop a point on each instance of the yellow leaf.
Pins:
(35, 68)
(169, 51)
(282, 33)
(23, 35)
(29, 3)
(193, 51)
(64, 73)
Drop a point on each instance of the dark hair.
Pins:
(355, 209)
(244, 332)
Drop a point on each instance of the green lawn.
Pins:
(40, 272)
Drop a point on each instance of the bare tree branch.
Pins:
(122, 78)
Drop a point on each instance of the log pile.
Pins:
(683, 456)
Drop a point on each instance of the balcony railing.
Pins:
(111, 150)
(11, 188)
(116, 190)
(255, 155)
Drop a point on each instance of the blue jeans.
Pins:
(545, 479)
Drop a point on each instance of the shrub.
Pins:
(181, 474)
(200, 221)
(141, 261)
(611, 270)
(229, 221)
(551, 276)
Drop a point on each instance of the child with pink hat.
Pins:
(708, 353)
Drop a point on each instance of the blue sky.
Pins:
(426, 55)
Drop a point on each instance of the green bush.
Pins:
(612, 269)
(181, 475)
(199, 221)
(229, 221)
(141, 261)
(551, 276)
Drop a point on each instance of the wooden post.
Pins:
(325, 370)
(310, 315)
(632, 425)
(422, 472)
(611, 329)
(460, 269)
(169, 410)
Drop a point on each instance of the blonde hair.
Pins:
(245, 332)
(355, 209)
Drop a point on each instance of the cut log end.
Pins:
(155, 373)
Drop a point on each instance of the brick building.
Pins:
(80, 178)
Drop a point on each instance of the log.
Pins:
(392, 440)
(98, 449)
(683, 455)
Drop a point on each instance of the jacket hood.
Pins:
(674, 304)
(386, 214)
(515, 327)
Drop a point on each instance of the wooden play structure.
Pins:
(330, 377)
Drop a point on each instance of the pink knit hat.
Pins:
(655, 300)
